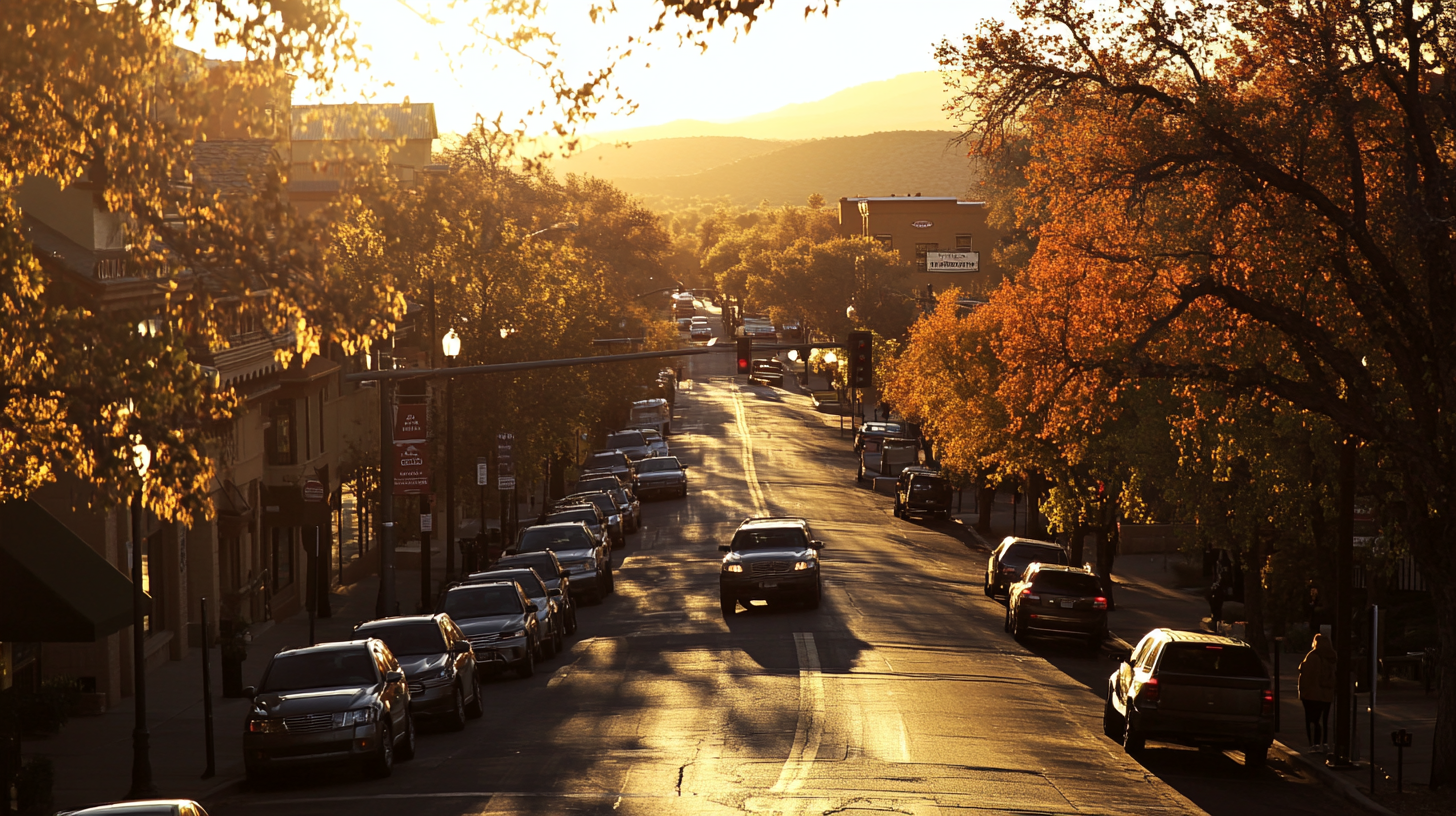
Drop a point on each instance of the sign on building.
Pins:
(482, 471)
(953, 262)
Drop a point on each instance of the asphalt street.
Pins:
(901, 693)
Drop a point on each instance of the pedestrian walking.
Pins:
(1221, 589)
(1317, 692)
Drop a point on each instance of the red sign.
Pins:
(411, 423)
(411, 468)
(313, 491)
(922, 225)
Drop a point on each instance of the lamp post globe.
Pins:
(450, 344)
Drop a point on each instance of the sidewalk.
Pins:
(92, 756)
(1166, 591)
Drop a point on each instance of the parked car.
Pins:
(770, 559)
(791, 330)
(684, 324)
(1056, 600)
(549, 613)
(438, 664)
(663, 474)
(1011, 557)
(500, 622)
(870, 432)
(655, 442)
(654, 414)
(630, 442)
(1192, 688)
(586, 557)
(554, 574)
(605, 504)
(586, 513)
(627, 503)
(700, 331)
(922, 491)
(613, 461)
(332, 703)
(767, 371)
(142, 807)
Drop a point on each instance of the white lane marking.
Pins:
(810, 730)
(755, 490)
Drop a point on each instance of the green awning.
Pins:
(53, 587)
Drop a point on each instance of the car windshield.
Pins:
(482, 602)
(587, 485)
(530, 583)
(659, 464)
(882, 427)
(408, 638)
(1211, 660)
(586, 514)
(335, 668)
(603, 502)
(626, 439)
(542, 539)
(605, 459)
(777, 538)
(543, 563)
(1024, 554)
(1057, 582)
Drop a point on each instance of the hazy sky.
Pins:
(785, 58)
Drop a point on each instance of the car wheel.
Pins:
(729, 605)
(860, 474)
(988, 588)
(1006, 622)
(407, 745)
(546, 647)
(1112, 724)
(1256, 756)
(476, 708)
(1018, 632)
(457, 714)
(1132, 740)
(571, 621)
(526, 666)
(382, 763)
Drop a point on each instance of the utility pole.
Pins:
(386, 605)
(1344, 603)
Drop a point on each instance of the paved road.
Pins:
(899, 694)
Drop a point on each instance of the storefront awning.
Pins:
(53, 587)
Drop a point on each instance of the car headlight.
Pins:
(584, 566)
(803, 565)
(263, 725)
(359, 716)
(733, 568)
(445, 673)
(514, 634)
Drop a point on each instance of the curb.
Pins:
(1346, 789)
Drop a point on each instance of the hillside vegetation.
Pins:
(898, 162)
(665, 157)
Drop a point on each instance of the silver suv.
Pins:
(1192, 688)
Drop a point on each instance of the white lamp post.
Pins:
(141, 761)
(450, 344)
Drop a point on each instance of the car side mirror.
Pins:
(816, 545)
(460, 647)
(394, 677)
(250, 692)
(554, 592)
(725, 548)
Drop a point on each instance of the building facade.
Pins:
(917, 228)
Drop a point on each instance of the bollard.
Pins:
(207, 700)
(1402, 740)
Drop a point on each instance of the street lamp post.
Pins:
(141, 760)
(450, 344)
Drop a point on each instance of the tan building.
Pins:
(919, 227)
(328, 138)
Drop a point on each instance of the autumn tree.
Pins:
(1251, 196)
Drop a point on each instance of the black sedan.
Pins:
(770, 559)
(662, 475)
(500, 622)
(585, 556)
(549, 615)
(554, 573)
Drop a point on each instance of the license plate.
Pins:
(768, 585)
(1068, 604)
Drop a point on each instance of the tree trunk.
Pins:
(1254, 595)
(1075, 546)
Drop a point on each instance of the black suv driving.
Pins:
(922, 491)
(770, 559)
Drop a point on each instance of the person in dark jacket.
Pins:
(1317, 692)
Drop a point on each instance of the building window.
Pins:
(282, 557)
(280, 436)
(886, 241)
(920, 250)
(963, 243)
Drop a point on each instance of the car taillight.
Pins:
(1149, 691)
(1267, 709)
(1099, 602)
(1028, 595)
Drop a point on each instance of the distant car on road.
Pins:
(554, 573)
(583, 554)
(614, 461)
(1192, 688)
(627, 502)
(700, 331)
(767, 371)
(605, 504)
(500, 622)
(662, 474)
(549, 611)
(631, 442)
(656, 442)
(1011, 557)
(334, 703)
(770, 559)
(1057, 600)
(438, 664)
(922, 491)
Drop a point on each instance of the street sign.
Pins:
(506, 483)
(411, 423)
(427, 522)
(504, 442)
(482, 471)
(313, 491)
(953, 261)
(411, 468)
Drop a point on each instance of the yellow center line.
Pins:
(810, 730)
(750, 471)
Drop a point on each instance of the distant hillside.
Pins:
(899, 162)
(665, 157)
(906, 102)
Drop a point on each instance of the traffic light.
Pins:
(861, 359)
(745, 354)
